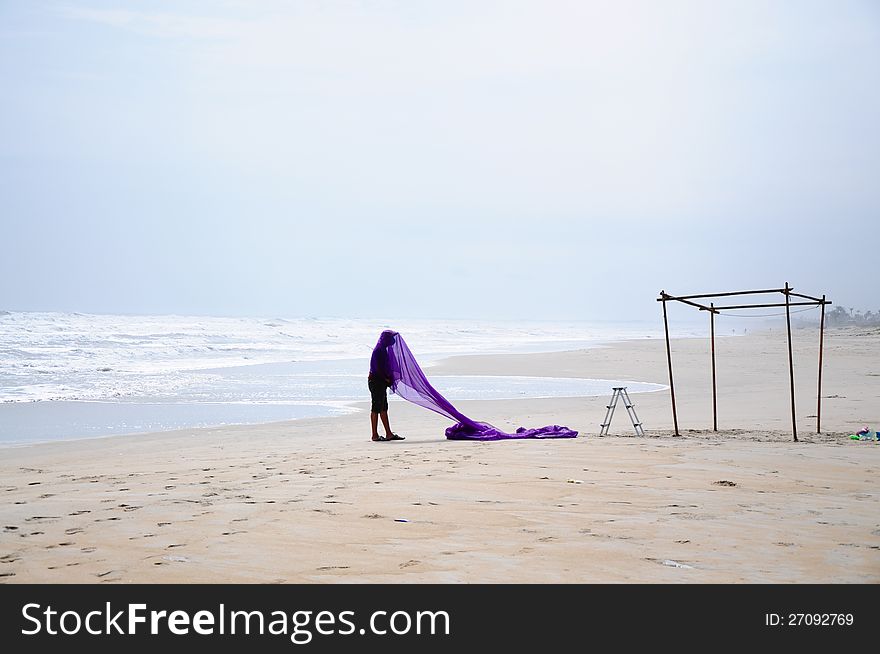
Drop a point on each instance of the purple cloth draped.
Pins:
(393, 360)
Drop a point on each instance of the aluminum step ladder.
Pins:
(620, 392)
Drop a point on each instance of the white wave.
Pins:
(73, 356)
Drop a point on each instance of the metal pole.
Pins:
(714, 393)
(701, 307)
(790, 362)
(669, 361)
(760, 306)
(806, 297)
(694, 297)
(819, 394)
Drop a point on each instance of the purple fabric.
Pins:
(393, 360)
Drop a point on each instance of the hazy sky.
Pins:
(435, 159)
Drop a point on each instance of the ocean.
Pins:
(73, 375)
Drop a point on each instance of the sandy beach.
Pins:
(315, 501)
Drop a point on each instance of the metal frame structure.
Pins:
(788, 292)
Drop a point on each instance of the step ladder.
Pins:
(620, 392)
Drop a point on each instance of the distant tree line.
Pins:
(841, 316)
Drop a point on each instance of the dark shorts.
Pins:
(377, 394)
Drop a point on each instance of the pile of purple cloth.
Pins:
(393, 360)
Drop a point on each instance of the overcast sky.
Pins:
(541, 159)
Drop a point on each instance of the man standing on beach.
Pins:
(378, 382)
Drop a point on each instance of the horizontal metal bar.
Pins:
(670, 298)
(806, 297)
(762, 306)
(692, 297)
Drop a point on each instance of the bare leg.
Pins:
(374, 422)
(385, 424)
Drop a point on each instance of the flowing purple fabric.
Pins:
(393, 361)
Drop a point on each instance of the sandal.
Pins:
(394, 437)
(376, 439)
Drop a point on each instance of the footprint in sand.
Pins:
(176, 559)
(73, 530)
(81, 512)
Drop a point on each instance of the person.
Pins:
(378, 382)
